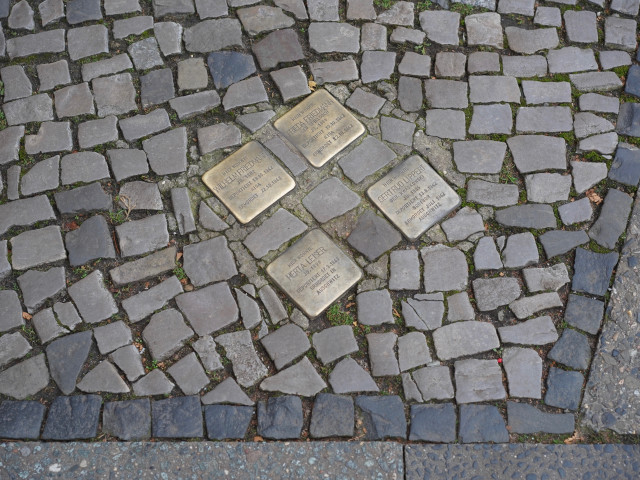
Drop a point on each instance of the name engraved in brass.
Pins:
(248, 181)
(414, 197)
(319, 127)
(314, 272)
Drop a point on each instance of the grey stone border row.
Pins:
(316, 460)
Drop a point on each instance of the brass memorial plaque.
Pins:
(248, 181)
(414, 197)
(314, 272)
(319, 127)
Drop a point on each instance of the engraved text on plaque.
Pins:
(414, 197)
(319, 127)
(314, 272)
(248, 181)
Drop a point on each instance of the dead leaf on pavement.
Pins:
(593, 196)
(26, 316)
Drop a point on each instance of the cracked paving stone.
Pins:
(382, 417)
(463, 224)
(527, 306)
(73, 418)
(612, 220)
(129, 361)
(37, 286)
(280, 418)
(166, 333)
(127, 420)
(273, 304)
(434, 383)
(422, 315)
(249, 310)
(247, 366)
(413, 351)
(12, 347)
(112, 336)
(46, 325)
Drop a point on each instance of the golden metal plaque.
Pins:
(249, 181)
(414, 197)
(319, 127)
(314, 272)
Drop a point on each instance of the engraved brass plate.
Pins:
(414, 197)
(319, 127)
(314, 272)
(249, 181)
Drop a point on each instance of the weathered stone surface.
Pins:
(285, 344)
(478, 381)
(143, 125)
(521, 251)
(374, 307)
(484, 29)
(433, 423)
(537, 331)
(584, 313)
(550, 278)
(90, 241)
(35, 108)
(188, 106)
(452, 277)
(273, 304)
(528, 306)
(494, 194)
(156, 87)
(141, 305)
(103, 378)
(492, 293)
(127, 420)
(330, 199)
(167, 152)
(367, 158)
(128, 360)
(466, 222)
(114, 95)
(595, 81)
(524, 418)
(373, 235)
(211, 35)
(414, 64)
(146, 267)
(543, 119)
(434, 383)
(227, 391)
(179, 417)
(227, 421)
(405, 270)
(87, 41)
(381, 354)
(332, 416)
(46, 325)
(284, 45)
(592, 271)
(564, 389)
(93, 300)
(349, 377)
(558, 242)
(523, 367)
(73, 418)
(98, 132)
(299, 379)
(524, 66)
(153, 383)
(246, 92)
(37, 286)
(137, 237)
(209, 309)
(280, 417)
(488, 119)
(493, 89)
(481, 424)
(581, 27)
(612, 219)
(383, 417)
(21, 420)
(572, 350)
(51, 41)
(37, 247)
(108, 66)
(66, 356)
(25, 378)
(441, 26)
(247, 366)
(530, 41)
(401, 13)
(13, 346)
(464, 338)
(166, 333)
(189, 374)
(422, 315)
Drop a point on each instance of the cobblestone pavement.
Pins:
(321, 219)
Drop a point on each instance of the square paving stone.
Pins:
(79, 11)
(73, 418)
(330, 37)
(448, 124)
(330, 199)
(179, 417)
(450, 64)
(127, 420)
(373, 37)
(375, 307)
(83, 167)
(481, 424)
(209, 261)
(285, 344)
(415, 64)
(114, 95)
(145, 54)
(137, 237)
(433, 423)
(279, 228)
(334, 342)
(441, 26)
(478, 381)
(280, 418)
(156, 87)
(483, 62)
(404, 270)
(584, 313)
(367, 158)
(382, 417)
(564, 389)
(37, 247)
(16, 83)
(332, 416)
(93, 300)
(98, 132)
(192, 74)
(377, 66)
(489, 119)
(167, 152)
(451, 267)
(87, 41)
(291, 82)
(21, 420)
(227, 421)
(446, 93)
(74, 100)
(189, 374)
(209, 309)
(53, 74)
(165, 333)
(572, 350)
(592, 271)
